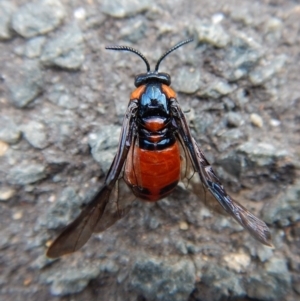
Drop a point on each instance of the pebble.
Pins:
(104, 145)
(261, 74)
(9, 132)
(273, 29)
(237, 261)
(134, 31)
(26, 85)
(188, 80)
(31, 49)
(63, 211)
(35, 133)
(234, 119)
(66, 50)
(183, 226)
(260, 153)
(217, 89)
(17, 215)
(7, 8)
(36, 18)
(6, 193)
(241, 57)
(60, 95)
(122, 9)
(72, 280)
(212, 33)
(26, 173)
(3, 148)
(256, 120)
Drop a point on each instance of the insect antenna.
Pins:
(171, 50)
(126, 48)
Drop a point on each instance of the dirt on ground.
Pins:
(63, 97)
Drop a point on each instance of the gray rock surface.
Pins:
(26, 84)
(175, 281)
(66, 50)
(63, 97)
(40, 17)
(6, 10)
(26, 174)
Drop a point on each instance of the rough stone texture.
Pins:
(72, 280)
(66, 50)
(40, 17)
(243, 61)
(32, 49)
(175, 281)
(9, 131)
(25, 84)
(121, 8)
(6, 10)
(26, 174)
(36, 134)
(104, 145)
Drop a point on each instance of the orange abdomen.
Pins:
(153, 174)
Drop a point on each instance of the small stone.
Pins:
(32, 49)
(124, 8)
(241, 57)
(256, 120)
(26, 84)
(72, 280)
(134, 31)
(188, 80)
(217, 89)
(262, 154)
(241, 15)
(264, 253)
(36, 18)
(213, 34)
(275, 122)
(26, 174)
(109, 266)
(6, 10)
(9, 132)
(42, 261)
(237, 261)
(276, 266)
(80, 13)
(261, 74)
(234, 119)
(62, 96)
(3, 148)
(64, 210)
(66, 50)
(183, 226)
(17, 215)
(6, 193)
(104, 145)
(35, 134)
(273, 29)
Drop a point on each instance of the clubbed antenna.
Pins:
(171, 50)
(126, 48)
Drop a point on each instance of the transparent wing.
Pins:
(209, 188)
(105, 209)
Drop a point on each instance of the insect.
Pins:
(156, 150)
